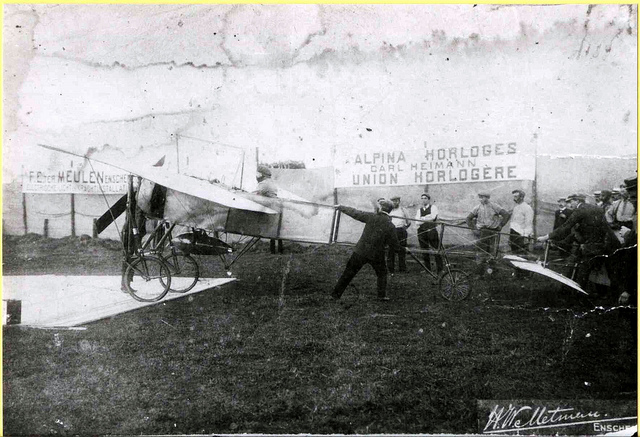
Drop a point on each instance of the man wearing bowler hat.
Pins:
(486, 220)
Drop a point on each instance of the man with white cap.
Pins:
(486, 220)
(615, 194)
(596, 197)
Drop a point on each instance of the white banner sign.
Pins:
(75, 177)
(444, 165)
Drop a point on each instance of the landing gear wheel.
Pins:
(455, 285)
(147, 278)
(184, 272)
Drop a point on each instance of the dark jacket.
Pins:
(562, 215)
(378, 232)
(592, 227)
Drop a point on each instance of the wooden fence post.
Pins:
(24, 213)
(73, 215)
(46, 228)
(95, 228)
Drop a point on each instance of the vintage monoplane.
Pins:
(227, 222)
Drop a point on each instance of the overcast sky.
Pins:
(297, 81)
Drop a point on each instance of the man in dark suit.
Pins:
(378, 232)
(596, 236)
(562, 214)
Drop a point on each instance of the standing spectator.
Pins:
(378, 232)
(562, 214)
(486, 220)
(596, 197)
(521, 224)
(427, 231)
(615, 194)
(626, 259)
(400, 220)
(621, 212)
(605, 200)
(267, 188)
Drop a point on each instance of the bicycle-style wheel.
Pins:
(148, 278)
(184, 272)
(455, 285)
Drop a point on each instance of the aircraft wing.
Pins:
(534, 267)
(183, 183)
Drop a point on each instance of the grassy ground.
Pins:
(267, 355)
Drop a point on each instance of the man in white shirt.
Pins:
(521, 224)
(401, 222)
(427, 231)
(621, 212)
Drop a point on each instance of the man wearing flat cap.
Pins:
(378, 232)
(428, 236)
(400, 220)
(486, 220)
(521, 229)
(596, 236)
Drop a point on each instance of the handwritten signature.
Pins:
(513, 418)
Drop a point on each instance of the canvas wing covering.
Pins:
(534, 267)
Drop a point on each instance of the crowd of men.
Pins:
(600, 234)
(592, 234)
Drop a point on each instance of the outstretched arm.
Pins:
(361, 216)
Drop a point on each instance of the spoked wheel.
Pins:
(455, 285)
(148, 278)
(184, 272)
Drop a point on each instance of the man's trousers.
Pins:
(355, 263)
(402, 254)
(429, 239)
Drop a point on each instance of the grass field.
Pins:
(272, 354)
